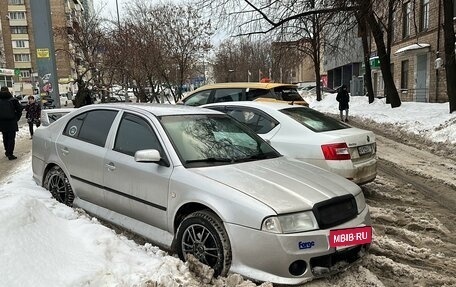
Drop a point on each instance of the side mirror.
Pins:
(150, 155)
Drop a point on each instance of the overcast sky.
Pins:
(108, 8)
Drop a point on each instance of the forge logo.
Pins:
(306, 245)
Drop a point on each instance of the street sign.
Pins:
(42, 53)
(374, 62)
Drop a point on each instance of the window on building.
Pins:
(454, 8)
(25, 73)
(406, 13)
(16, 2)
(21, 57)
(17, 15)
(404, 74)
(18, 29)
(20, 44)
(424, 17)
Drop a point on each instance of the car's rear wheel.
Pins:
(203, 235)
(58, 184)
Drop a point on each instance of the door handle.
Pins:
(65, 151)
(110, 166)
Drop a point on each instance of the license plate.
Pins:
(365, 149)
(350, 236)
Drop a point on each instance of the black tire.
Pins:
(203, 235)
(59, 186)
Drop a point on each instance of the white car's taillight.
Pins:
(337, 151)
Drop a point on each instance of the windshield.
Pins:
(314, 120)
(203, 140)
(288, 93)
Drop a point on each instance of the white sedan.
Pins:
(308, 135)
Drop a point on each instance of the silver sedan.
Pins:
(197, 182)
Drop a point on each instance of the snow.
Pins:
(45, 243)
(412, 47)
(431, 121)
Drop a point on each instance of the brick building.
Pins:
(417, 45)
(18, 41)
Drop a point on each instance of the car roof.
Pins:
(155, 109)
(257, 104)
(59, 110)
(251, 85)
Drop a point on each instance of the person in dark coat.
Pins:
(33, 114)
(343, 98)
(10, 113)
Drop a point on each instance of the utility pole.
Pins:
(45, 52)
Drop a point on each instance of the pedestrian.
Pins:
(10, 113)
(33, 114)
(343, 98)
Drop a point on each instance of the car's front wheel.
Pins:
(203, 235)
(58, 184)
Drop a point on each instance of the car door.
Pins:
(81, 148)
(137, 189)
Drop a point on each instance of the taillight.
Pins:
(338, 151)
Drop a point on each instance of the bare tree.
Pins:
(87, 39)
(184, 35)
(242, 60)
(262, 17)
(450, 62)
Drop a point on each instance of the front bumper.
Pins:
(266, 256)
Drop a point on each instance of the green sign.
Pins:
(374, 62)
(17, 72)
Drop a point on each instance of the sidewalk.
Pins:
(23, 151)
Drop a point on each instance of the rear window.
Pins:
(287, 94)
(253, 94)
(314, 120)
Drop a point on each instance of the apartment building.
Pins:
(19, 47)
(417, 53)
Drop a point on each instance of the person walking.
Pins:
(10, 113)
(343, 98)
(33, 114)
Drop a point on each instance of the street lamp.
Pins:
(117, 9)
(230, 71)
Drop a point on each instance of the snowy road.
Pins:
(413, 207)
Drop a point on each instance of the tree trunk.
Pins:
(384, 57)
(366, 51)
(450, 62)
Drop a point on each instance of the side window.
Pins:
(227, 95)
(135, 134)
(257, 121)
(92, 127)
(253, 94)
(198, 99)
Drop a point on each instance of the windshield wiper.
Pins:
(259, 156)
(210, 159)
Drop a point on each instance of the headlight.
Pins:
(360, 202)
(291, 223)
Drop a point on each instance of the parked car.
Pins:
(114, 98)
(48, 116)
(228, 92)
(198, 182)
(23, 99)
(306, 134)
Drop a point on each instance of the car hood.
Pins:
(284, 184)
